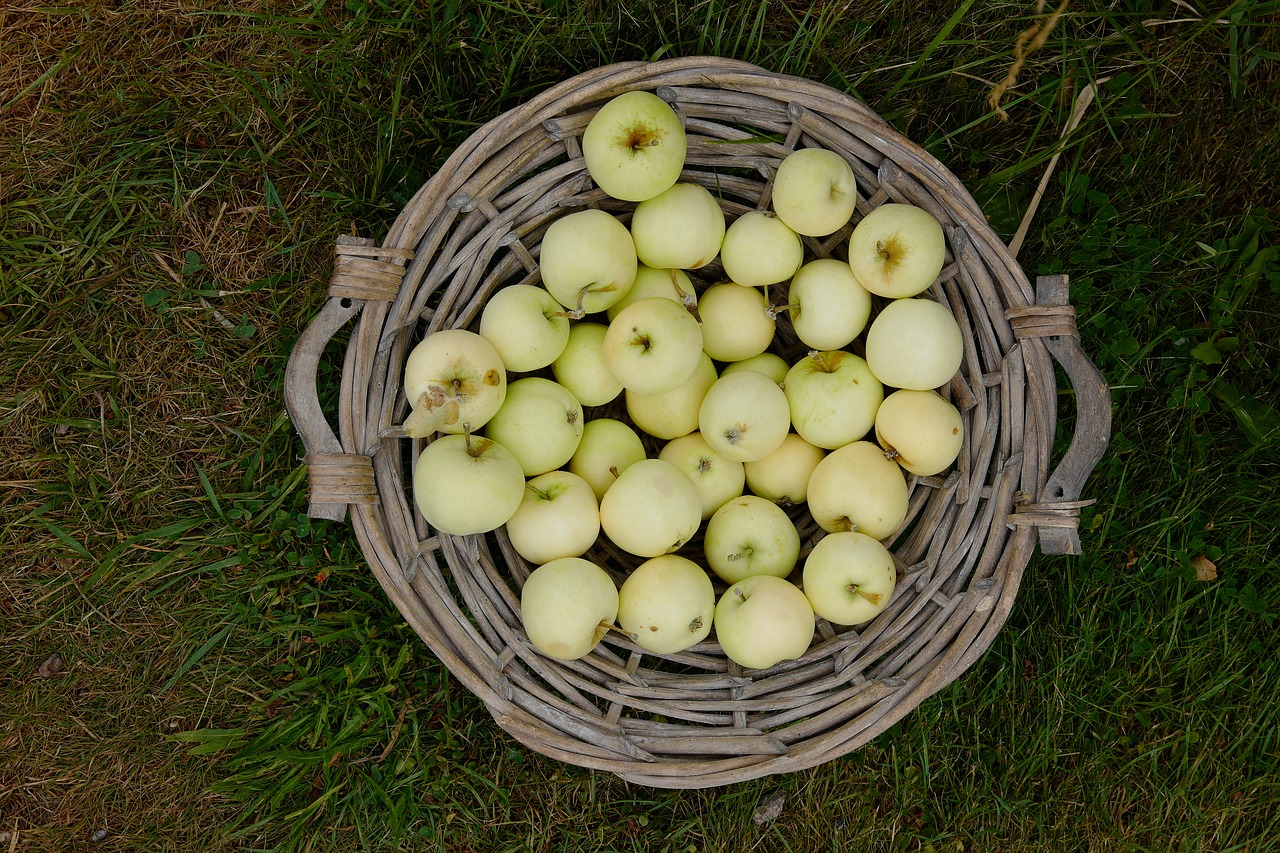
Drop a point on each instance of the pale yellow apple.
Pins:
(783, 475)
(736, 323)
(857, 488)
(763, 620)
(915, 344)
(920, 430)
(567, 606)
(667, 603)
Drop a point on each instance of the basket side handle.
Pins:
(1056, 510)
(337, 478)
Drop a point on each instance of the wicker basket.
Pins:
(696, 719)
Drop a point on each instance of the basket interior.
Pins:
(696, 719)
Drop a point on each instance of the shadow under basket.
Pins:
(696, 719)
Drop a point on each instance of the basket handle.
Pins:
(1056, 512)
(337, 478)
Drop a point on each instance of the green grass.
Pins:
(172, 178)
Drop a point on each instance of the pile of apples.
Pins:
(745, 433)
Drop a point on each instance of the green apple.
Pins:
(608, 447)
(744, 416)
(814, 191)
(915, 344)
(634, 146)
(673, 413)
(719, 480)
(540, 422)
(736, 322)
(652, 508)
(680, 228)
(580, 366)
(558, 517)
(849, 578)
(833, 398)
(828, 307)
(857, 488)
(463, 484)
(751, 536)
(897, 250)
(455, 380)
(763, 620)
(770, 364)
(667, 603)
(652, 346)
(920, 430)
(526, 325)
(783, 475)
(673, 284)
(760, 249)
(567, 606)
(588, 261)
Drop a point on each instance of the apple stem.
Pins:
(578, 313)
(541, 493)
(738, 592)
(891, 454)
(773, 311)
(474, 449)
(873, 597)
(609, 626)
(613, 469)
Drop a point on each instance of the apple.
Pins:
(736, 322)
(680, 228)
(718, 479)
(652, 508)
(652, 346)
(897, 250)
(587, 261)
(857, 488)
(454, 380)
(748, 536)
(673, 413)
(764, 620)
(526, 325)
(580, 366)
(744, 416)
(814, 191)
(567, 606)
(634, 146)
(783, 475)
(558, 517)
(760, 249)
(463, 484)
(920, 431)
(540, 422)
(914, 344)
(608, 447)
(849, 578)
(667, 604)
(828, 307)
(833, 398)
(673, 284)
(770, 364)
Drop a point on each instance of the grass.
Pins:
(172, 177)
